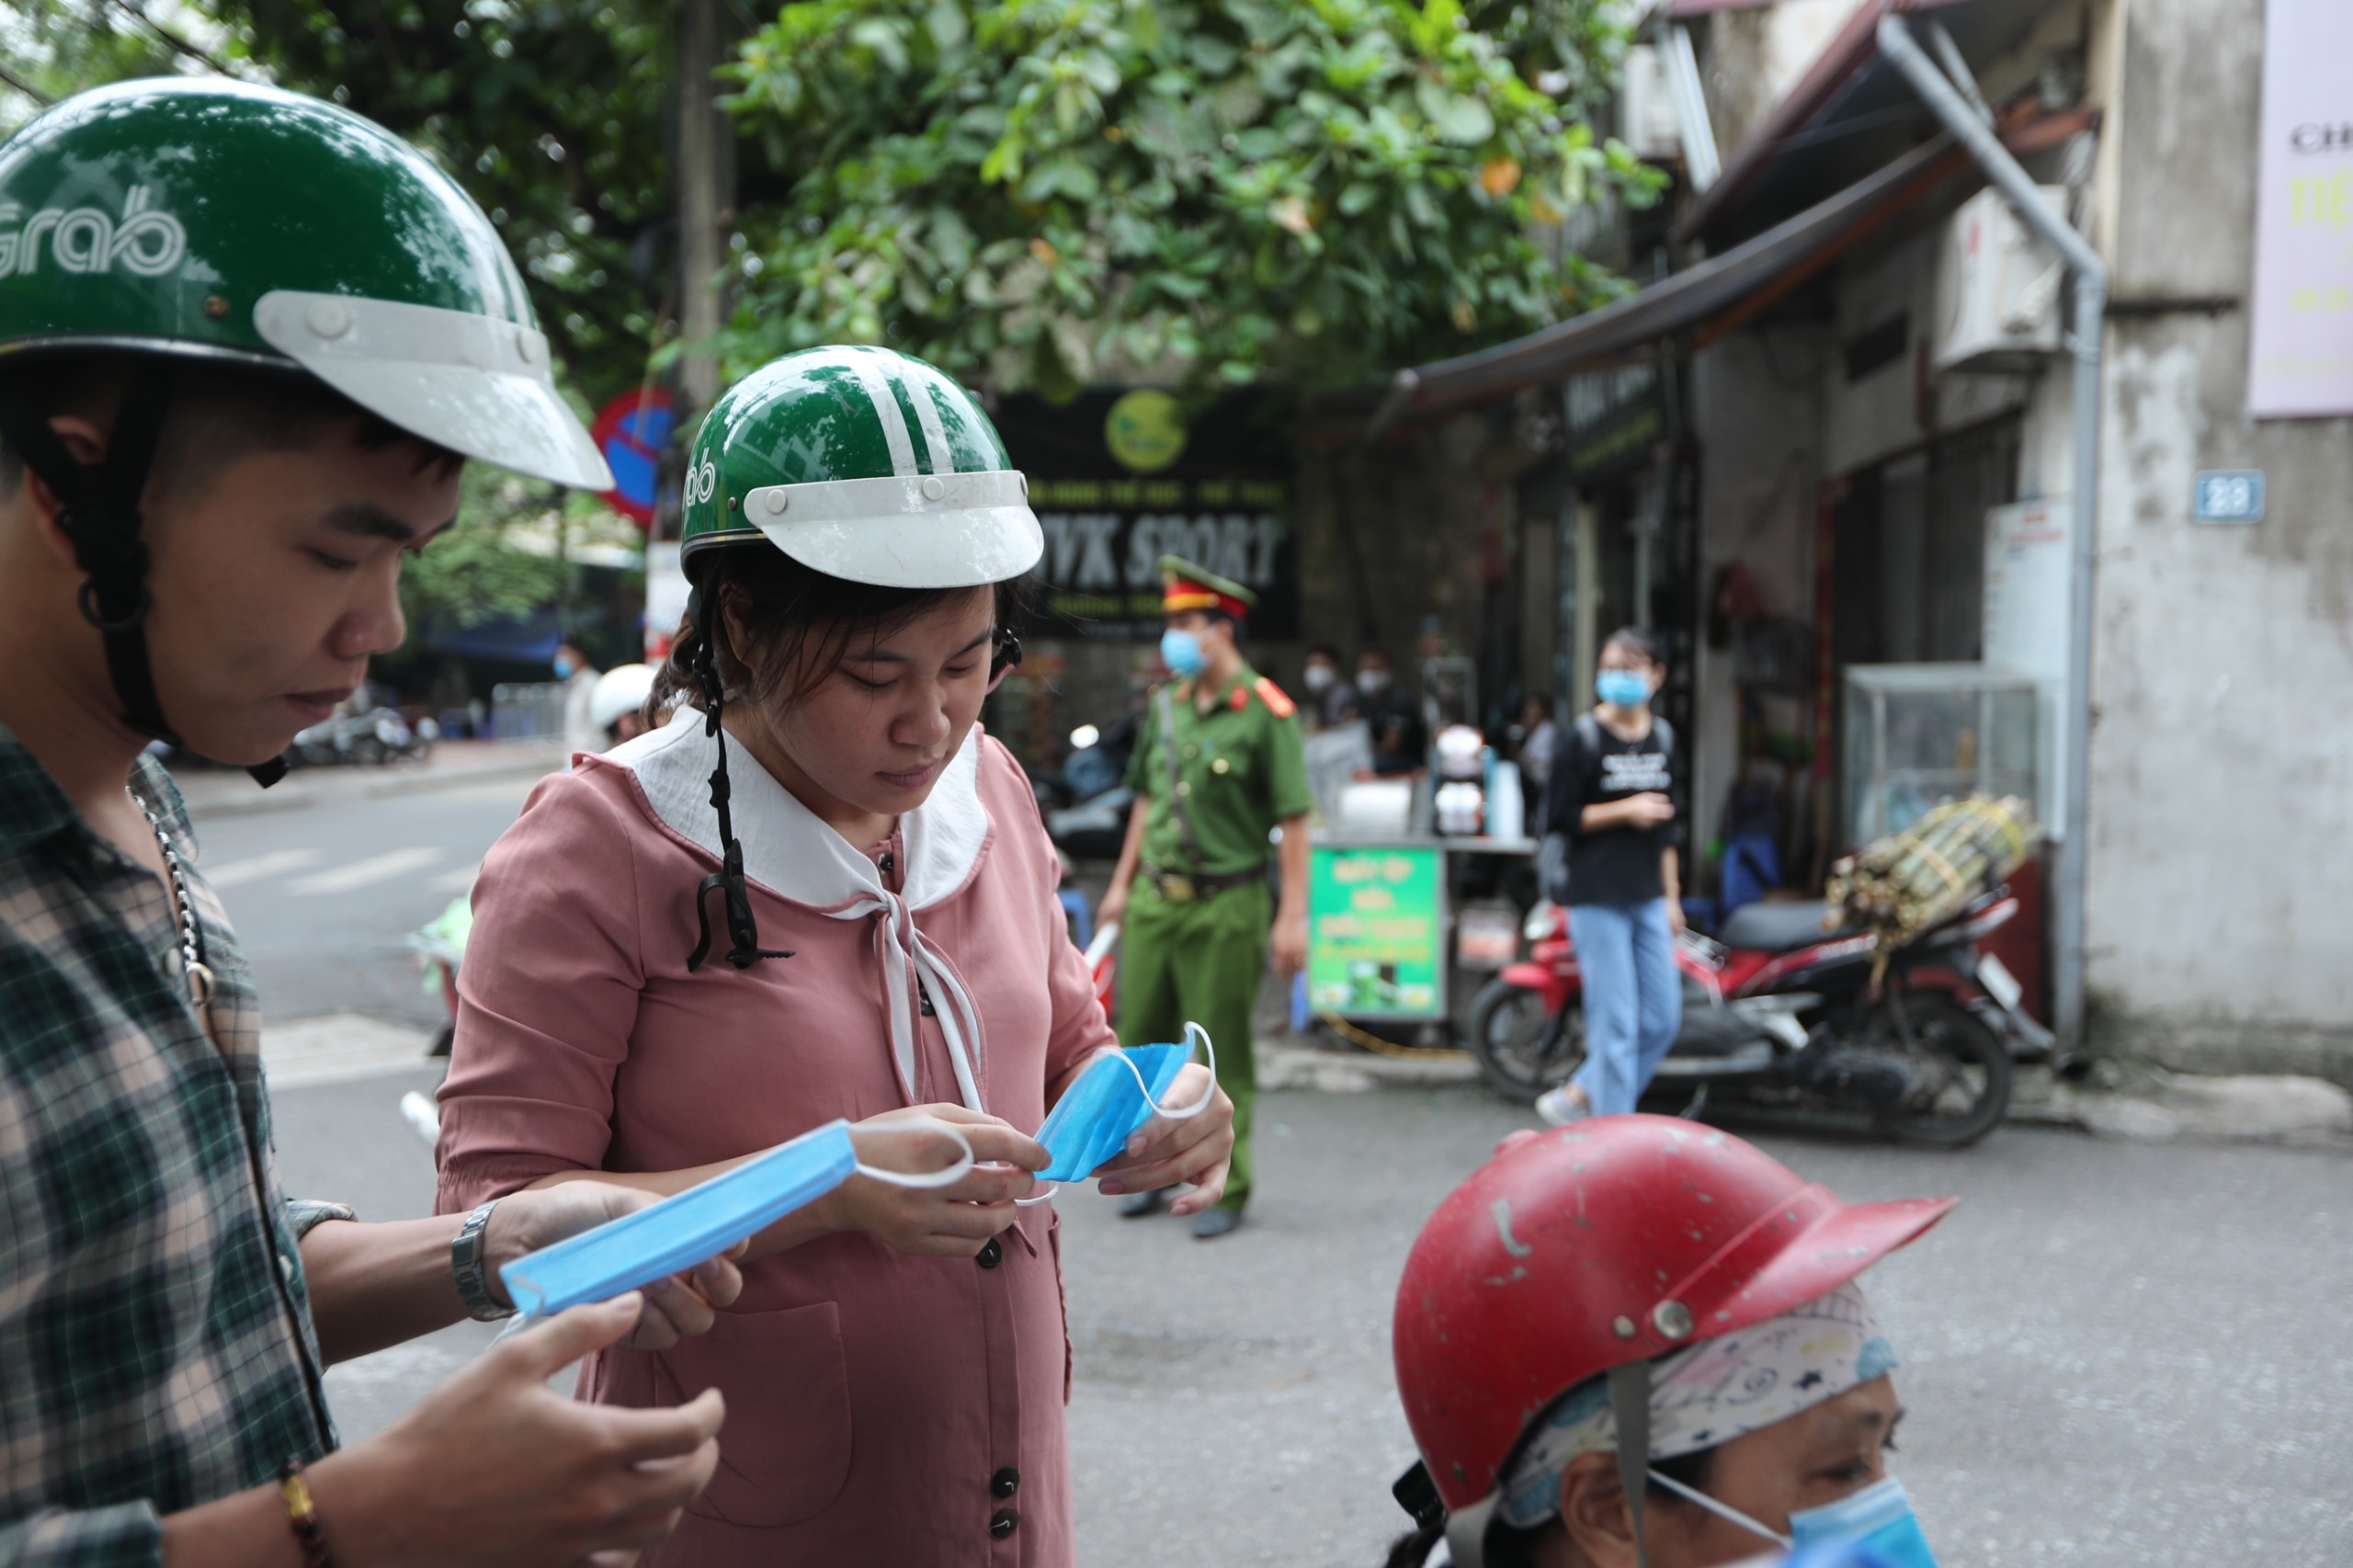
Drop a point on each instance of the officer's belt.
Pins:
(1183, 886)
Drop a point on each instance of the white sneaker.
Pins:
(1559, 1107)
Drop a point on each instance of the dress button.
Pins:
(1219, 766)
(1006, 1482)
(285, 1268)
(1002, 1522)
(991, 1254)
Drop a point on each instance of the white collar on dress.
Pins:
(787, 848)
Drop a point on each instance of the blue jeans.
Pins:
(1633, 998)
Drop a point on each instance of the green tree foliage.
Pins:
(1045, 193)
(550, 113)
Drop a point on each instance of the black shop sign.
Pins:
(1223, 501)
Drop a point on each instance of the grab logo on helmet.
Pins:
(703, 482)
(144, 241)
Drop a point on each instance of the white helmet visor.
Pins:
(933, 530)
(475, 384)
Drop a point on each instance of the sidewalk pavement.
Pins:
(226, 791)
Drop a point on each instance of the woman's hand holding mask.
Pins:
(1164, 1152)
(955, 1221)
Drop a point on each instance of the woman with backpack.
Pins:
(1611, 796)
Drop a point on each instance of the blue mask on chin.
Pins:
(1118, 1094)
(1181, 651)
(683, 1230)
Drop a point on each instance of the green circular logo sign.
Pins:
(1144, 430)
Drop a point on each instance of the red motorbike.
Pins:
(1791, 1014)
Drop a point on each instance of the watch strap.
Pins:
(466, 1265)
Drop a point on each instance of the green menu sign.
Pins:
(1376, 944)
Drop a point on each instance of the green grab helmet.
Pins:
(221, 220)
(863, 463)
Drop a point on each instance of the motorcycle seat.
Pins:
(1775, 927)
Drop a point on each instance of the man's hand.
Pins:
(955, 1221)
(1676, 923)
(675, 1308)
(1289, 946)
(1164, 1152)
(1114, 907)
(495, 1470)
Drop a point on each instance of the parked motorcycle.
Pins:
(381, 734)
(1086, 804)
(1785, 1014)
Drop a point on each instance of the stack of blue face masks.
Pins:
(1118, 1094)
(683, 1230)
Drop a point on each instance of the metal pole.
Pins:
(1896, 43)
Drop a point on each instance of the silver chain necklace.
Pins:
(200, 977)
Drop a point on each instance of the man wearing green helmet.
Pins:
(247, 342)
(822, 892)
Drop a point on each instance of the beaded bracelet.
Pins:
(303, 1514)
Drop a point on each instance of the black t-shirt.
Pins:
(1618, 865)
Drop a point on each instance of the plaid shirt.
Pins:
(155, 1342)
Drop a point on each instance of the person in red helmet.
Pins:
(1639, 1343)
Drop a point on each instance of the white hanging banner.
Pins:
(2029, 562)
(2302, 357)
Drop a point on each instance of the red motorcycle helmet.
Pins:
(1595, 1249)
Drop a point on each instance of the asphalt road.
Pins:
(323, 892)
(2113, 1353)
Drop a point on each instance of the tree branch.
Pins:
(178, 44)
(27, 88)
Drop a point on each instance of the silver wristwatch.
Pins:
(465, 1262)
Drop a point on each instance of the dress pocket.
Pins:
(784, 1450)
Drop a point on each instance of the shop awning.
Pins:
(1713, 297)
(1850, 114)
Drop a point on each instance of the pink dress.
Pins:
(880, 1408)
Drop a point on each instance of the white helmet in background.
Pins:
(620, 690)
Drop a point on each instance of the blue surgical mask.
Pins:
(564, 667)
(1623, 688)
(704, 1221)
(1181, 651)
(1116, 1096)
(1878, 1519)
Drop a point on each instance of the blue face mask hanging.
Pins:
(1119, 1091)
(707, 1219)
(1871, 1529)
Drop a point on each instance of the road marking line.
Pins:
(254, 868)
(368, 872)
(457, 881)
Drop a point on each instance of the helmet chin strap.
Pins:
(735, 901)
(1629, 1404)
(100, 516)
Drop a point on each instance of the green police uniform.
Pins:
(1194, 946)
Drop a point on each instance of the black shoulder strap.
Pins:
(99, 514)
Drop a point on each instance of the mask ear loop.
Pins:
(1723, 1510)
(1209, 1048)
(947, 1176)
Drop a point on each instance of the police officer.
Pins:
(1217, 767)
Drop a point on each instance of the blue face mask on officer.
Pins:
(1181, 651)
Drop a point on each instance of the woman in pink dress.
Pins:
(819, 891)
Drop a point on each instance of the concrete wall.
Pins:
(1754, 56)
(2221, 882)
